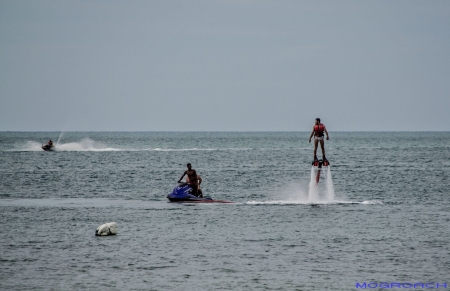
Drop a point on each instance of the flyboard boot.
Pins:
(315, 163)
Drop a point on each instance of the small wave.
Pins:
(195, 149)
(178, 150)
(290, 202)
(84, 202)
(372, 202)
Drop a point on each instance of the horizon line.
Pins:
(221, 131)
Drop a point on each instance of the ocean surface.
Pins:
(380, 212)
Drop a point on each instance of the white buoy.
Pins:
(109, 228)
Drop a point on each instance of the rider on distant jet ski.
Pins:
(49, 146)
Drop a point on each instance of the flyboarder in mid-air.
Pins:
(317, 132)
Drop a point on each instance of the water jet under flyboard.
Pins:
(320, 168)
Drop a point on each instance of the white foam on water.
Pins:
(299, 202)
(85, 144)
(178, 150)
(32, 146)
(195, 149)
(372, 202)
(88, 144)
(322, 193)
(313, 194)
(329, 185)
(317, 192)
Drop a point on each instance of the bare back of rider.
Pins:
(191, 179)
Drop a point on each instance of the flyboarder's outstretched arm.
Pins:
(312, 133)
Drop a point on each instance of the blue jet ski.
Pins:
(182, 193)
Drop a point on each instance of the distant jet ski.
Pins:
(182, 193)
(319, 164)
(48, 147)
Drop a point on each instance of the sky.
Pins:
(224, 65)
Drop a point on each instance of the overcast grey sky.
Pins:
(224, 65)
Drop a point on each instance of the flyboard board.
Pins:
(319, 164)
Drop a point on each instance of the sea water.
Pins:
(380, 213)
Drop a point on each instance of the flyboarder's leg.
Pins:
(322, 145)
(316, 143)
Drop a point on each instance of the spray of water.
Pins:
(329, 186)
(59, 138)
(85, 144)
(315, 194)
(319, 193)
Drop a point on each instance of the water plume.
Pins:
(316, 192)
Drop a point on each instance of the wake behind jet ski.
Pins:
(48, 146)
(183, 193)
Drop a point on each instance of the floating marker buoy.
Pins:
(109, 228)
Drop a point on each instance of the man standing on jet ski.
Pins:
(192, 180)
